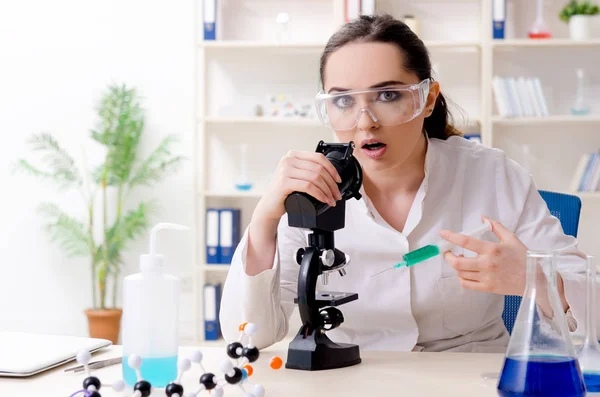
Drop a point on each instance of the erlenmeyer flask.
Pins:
(540, 358)
(589, 355)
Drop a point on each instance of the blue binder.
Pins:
(212, 236)
(212, 304)
(229, 233)
(210, 19)
(498, 18)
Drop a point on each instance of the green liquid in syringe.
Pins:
(418, 255)
(414, 257)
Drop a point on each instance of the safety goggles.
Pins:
(386, 106)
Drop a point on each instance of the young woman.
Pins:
(421, 182)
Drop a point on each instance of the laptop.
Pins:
(25, 354)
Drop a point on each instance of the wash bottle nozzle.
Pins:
(431, 250)
(152, 260)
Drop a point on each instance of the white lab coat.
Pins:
(423, 307)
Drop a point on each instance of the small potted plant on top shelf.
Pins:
(578, 14)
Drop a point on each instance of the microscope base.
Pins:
(317, 352)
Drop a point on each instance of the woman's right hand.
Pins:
(299, 171)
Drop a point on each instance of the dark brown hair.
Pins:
(384, 28)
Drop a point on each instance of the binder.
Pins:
(498, 18)
(212, 303)
(229, 233)
(209, 15)
(212, 236)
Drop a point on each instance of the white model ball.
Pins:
(217, 392)
(250, 329)
(118, 386)
(184, 364)
(84, 357)
(226, 366)
(134, 361)
(197, 357)
(258, 391)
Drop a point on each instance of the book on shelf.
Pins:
(519, 97)
(587, 173)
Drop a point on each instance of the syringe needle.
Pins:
(383, 271)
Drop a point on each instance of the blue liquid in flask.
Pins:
(542, 376)
(159, 371)
(592, 382)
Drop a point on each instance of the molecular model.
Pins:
(236, 370)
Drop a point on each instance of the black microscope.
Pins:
(311, 349)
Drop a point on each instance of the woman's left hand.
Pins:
(499, 268)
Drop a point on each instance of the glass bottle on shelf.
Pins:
(589, 355)
(539, 29)
(243, 183)
(580, 107)
(540, 358)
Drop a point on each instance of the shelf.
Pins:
(264, 120)
(516, 43)
(242, 44)
(452, 44)
(545, 120)
(216, 268)
(587, 195)
(234, 193)
(265, 45)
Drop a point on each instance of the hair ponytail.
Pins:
(439, 123)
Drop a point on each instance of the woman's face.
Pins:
(359, 66)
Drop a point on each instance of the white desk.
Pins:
(379, 374)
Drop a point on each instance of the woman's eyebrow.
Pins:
(378, 85)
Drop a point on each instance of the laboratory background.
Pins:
(117, 115)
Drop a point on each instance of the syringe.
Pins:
(431, 250)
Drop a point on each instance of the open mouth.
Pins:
(373, 146)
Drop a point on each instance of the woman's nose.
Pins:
(367, 120)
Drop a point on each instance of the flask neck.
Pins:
(590, 307)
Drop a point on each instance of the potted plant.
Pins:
(119, 132)
(578, 13)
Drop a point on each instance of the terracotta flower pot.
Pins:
(104, 323)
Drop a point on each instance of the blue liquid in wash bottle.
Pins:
(150, 319)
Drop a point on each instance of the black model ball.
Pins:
(174, 388)
(208, 381)
(235, 378)
(143, 387)
(232, 349)
(91, 381)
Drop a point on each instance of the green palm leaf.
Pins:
(61, 167)
(120, 129)
(70, 234)
(157, 165)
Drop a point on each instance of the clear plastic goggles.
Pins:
(387, 106)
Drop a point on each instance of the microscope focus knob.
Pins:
(299, 254)
(328, 258)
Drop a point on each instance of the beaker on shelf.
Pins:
(540, 357)
(589, 355)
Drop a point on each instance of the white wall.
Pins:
(56, 59)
